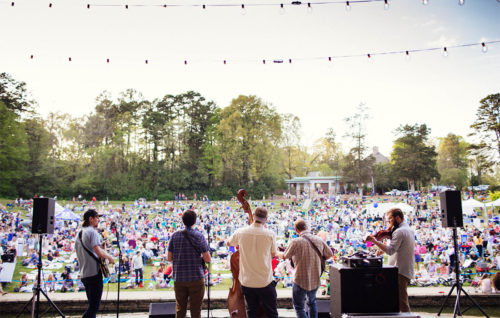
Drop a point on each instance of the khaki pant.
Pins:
(404, 304)
(194, 291)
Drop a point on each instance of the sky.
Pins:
(442, 92)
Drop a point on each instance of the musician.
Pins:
(187, 269)
(89, 268)
(401, 253)
(257, 248)
(307, 268)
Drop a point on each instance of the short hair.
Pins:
(260, 212)
(189, 218)
(396, 212)
(300, 225)
(496, 281)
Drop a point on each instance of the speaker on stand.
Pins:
(42, 223)
(451, 216)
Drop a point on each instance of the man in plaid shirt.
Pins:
(187, 270)
(307, 268)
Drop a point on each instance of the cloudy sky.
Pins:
(442, 92)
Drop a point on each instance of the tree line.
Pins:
(131, 147)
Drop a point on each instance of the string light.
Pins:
(50, 5)
(282, 9)
(12, 4)
(204, 7)
(309, 8)
(69, 59)
(425, 2)
(88, 6)
(386, 5)
(484, 48)
(406, 53)
(126, 6)
(243, 10)
(461, 2)
(347, 6)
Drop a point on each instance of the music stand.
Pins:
(38, 289)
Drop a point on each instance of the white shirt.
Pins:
(401, 250)
(137, 261)
(256, 246)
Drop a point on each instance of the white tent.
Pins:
(494, 203)
(469, 205)
(379, 209)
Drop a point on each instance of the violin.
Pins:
(384, 234)
(235, 299)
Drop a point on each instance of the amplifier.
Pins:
(363, 290)
(354, 261)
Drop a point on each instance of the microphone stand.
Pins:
(208, 267)
(119, 267)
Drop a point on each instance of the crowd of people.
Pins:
(146, 228)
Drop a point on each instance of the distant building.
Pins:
(379, 158)
(314, 183)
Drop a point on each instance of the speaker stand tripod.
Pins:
(38, 289)
(458, 286)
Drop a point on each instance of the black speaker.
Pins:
(451, 209)
(43, 216)
(363, 290)
(162, 310)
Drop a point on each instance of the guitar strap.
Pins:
(317, 251)
(88, 251)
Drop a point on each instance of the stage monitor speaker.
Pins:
(162, 310)
(43, 216)
(451, 209)
(363, 290)
(323, 306)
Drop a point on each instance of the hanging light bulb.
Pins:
(204, 7)
(309, 8)
(484, 48)
(282, 9)
(243, 10)
(445, 52)
(347, 6)
(425, 2)
(461, 2)
(386, 5)
(407, 55)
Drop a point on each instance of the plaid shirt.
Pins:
(306, 260)
(186, 260)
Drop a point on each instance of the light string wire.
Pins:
(204, 6)
(445, 49)
(308, 4)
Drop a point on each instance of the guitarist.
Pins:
(90, 242)
(257, 248)
(307, 268)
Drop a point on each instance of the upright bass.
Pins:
(235, 299)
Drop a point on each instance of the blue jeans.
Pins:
(93, 289)
(298, 298)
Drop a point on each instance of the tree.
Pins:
(487, 124)
(358, 167)
(413, 158)
(13, 152)
(15, 95)
(250, 131)
(290, 145)
(452, 161)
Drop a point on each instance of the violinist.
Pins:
(400, 251)
(257, 248)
